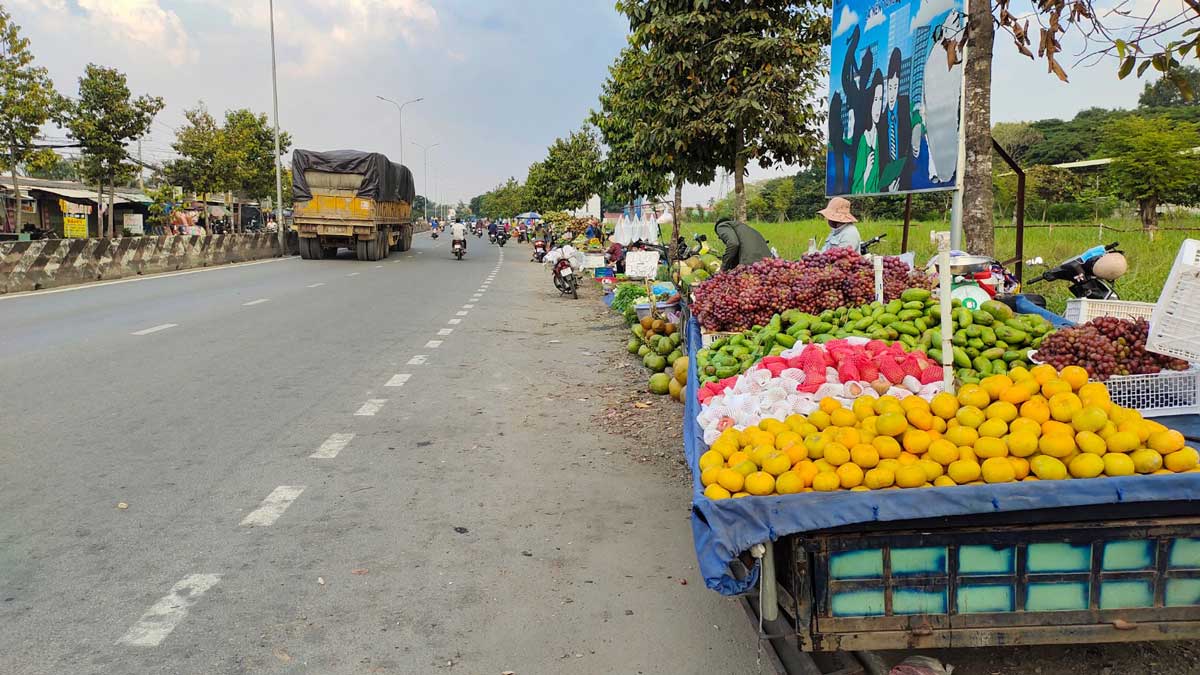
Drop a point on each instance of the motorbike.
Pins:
(865, 247)
(492, 237)
(459, 247)
(564, 278)
(433, 233)
(683, 252)
(1090, 274)
(501, 238)
(539, 250)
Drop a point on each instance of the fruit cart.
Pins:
(1077, 561)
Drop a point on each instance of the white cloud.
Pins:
(141, 25)
(930, 9)
(846, 20)
(325, 33)
(874, 18)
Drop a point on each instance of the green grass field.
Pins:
(1149, 261)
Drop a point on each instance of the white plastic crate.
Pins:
(1170, 392)
(1084, 310)
(707, 338)
(1175, 323)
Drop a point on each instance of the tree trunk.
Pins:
(1148, 211)
(978, 234)
(739, 180)
(100, 209)
(112, 207)
(17, 196)
(677, 214)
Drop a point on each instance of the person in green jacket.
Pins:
(866, 165)
(743, 244)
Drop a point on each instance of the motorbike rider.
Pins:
(458, 233)
(492, 230)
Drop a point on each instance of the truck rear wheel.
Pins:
(310, 249)
(385, 244)
(364, 249)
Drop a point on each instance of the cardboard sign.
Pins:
(641, 264)
(133, 223)
(593, 260)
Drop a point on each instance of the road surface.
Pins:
(334, 467)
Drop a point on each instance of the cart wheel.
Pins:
(574, 287)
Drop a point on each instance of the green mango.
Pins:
(893, 306)
(915, 294)
(976, 343)
(982, 365)
(992, 354)
(914, 305)
(998, 310)
(982, 318)
(906, 328)
(961, 359)
(909, 314)
(886, 319)
(785, 340)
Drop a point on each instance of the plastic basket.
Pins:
(670, 309)
(1082, 311)
(1170, 392)
(707, 338)
(1175, 323)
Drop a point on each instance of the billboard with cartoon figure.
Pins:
(894, 97)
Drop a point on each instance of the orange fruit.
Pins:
(715, 492)
(1021, 443)
(776, 464)
(787, 439)
(1025, 425)
(891, 424)
(826, 482)
(887, 446)
(879, 478)
(964, 471)
(850, 475)
(789, 483)
(1075, 376)
(737, 458)
(847, 436)
(837, 454)
(988, 447)
(967, 453)
(843, 418)
(1016, 394)
(916, 441)
(824, 466)
(1035, 410)
(995, 428)
(887, 404)
(1166, 442)
(1090, 443)
(910, 476)
(1043, 373)
(1117, 464)
(1002, 410)
(1020, 373)
(1184, 459)
(995, 385)
(973, 395)
(1046, 467)
(796, 453)
(944, 481)
(863, 407)
(806, 469)
(731, 480)
(944, 405)
(1064, 405)
(970, 416)
(829, 404)
(962, 435)
(760, 483)
(819, 419)
(1056, 427)
(1090, 418)
(1122, 441)
(1138, 427)
(745, 468)
(997, 470)
(931, 468)
(709, 475)
(815, 444)
(1020, 467)
(711, 458)
(907, 458)
(866, 456)
(1086, 465)
(1057, 445)
(920, 418)
(943, 452)
(914, 403)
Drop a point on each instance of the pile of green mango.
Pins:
(734, 354)
(658, 343)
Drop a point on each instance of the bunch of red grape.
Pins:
(750, 295)
(1105, 347)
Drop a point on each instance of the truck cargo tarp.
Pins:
(724, 529)
(383, 180)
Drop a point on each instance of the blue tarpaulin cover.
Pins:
(723, 529)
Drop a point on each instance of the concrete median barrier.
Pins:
(34, 265)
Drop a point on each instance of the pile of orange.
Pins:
(1031, 424)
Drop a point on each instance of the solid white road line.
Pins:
(372, 406)
(353, 274)
(154, 329)
(163, 616)
(255, 302)
(398, 380)
(316, 285)
(148, 277)
(463, 313)
(379, 267)
(417, 360)
(445, 331)
(433, 344)
(332, 446)
(273, 506)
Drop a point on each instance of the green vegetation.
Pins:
(1149, 260)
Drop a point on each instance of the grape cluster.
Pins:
(750, 295)
(1105, 347)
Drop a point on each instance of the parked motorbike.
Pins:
(1091, 273)
(865, 247)
(683, 252)
(459, 247)
(564, 278)
(539, 250)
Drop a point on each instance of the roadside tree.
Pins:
(1153, 163)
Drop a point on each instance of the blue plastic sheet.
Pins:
(723, 529)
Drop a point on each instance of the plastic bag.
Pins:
(921, 665)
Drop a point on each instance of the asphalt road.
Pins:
(209, 473)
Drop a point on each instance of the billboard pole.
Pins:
(956, 209)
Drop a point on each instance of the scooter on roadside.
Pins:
(1090, 274)
(865, 247)
(564, 278)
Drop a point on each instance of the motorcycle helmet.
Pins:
(1110, 266)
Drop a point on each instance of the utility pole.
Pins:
(278, 170)
(426, 149)
(400, 109)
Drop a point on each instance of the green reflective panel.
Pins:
(1135, 554)
(985, 560)
(1123, 594)
(916, 601)
(857, 603)
(918, 561)
(1185, 554)
(1058, 557)
(1055, 597)
(985, 598)
(856, 564)
(1182, 593)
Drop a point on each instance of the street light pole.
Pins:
(400, 109)
(278, 169)
(426, 150)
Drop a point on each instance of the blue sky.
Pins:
(501, 78)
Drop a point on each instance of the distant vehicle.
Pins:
(352, 199)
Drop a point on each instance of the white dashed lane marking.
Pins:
(462, 313)
(255, 302)
(353, 274)
(468, 306)
(154, 329)
(332, 446)
(398, 380)
(417, 360)
(445, 331)
(372, 406)
(163, 616)
(273, 506)
(433, 344)
(454, 322)
(317, 285)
